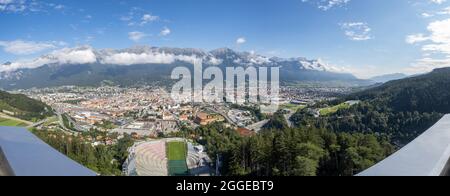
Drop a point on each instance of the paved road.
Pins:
(257, 126)
(39, 123)
(61, 123)
(288, 117)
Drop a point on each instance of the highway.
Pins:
(257, 126)
(39, 123)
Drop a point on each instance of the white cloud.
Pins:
(136, 35)
(20, 47)
(438, 1)
(357, 31)
(149, 57)
(144, 58)
(6, 1)
(130, 17)
(126, 18)
(241, 41)
(445, 11)
(86, 55)
(89, 38)
(214, 61)
(412, 39)
(147, 18)
(427, 15)
(326, 5)
(165, 32)
(436, 47)
(139, 17)
(20, 6)
(427, 64)
(332, 3)
(440, 37)
(75, 56)
(13, 6)
(59, 7)
(80, 55)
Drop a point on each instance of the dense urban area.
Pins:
(97, 126)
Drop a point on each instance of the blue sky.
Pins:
(364, 37)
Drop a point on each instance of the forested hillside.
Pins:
(292, 151)
(424, 93)
(400, 110)
(23, 107)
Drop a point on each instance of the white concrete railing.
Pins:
(427, 155)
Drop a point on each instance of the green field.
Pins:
(51, 120)
(176, 153)
(334, 109)
(176, 150)
(293, 107)
(11, 123)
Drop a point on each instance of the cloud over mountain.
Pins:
(153, 55)
(80, 55)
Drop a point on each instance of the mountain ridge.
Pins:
(144, 64)
(423, 93)
(388, 77)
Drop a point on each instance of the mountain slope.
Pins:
(146, 65)
(424, 93)
(23, 107)
(400, 110)
(388, 77)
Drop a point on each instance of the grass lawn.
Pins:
(177, 159)
(293, 107)
(176, 150)
(11, 123)
(51, 120)
(334, 109)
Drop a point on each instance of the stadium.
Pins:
(167, 157)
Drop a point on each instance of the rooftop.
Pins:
(23, 154)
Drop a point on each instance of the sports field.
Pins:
(11, 123)
(176, 153)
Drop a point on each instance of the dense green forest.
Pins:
(105, 160)
(400, 109)
(400, 127)
(425, 93)
(292, 152)
(24, 107)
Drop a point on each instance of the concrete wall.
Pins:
(5, 169)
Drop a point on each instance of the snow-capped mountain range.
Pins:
(154, 55)
(105, 64)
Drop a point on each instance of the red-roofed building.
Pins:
(245, 132)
